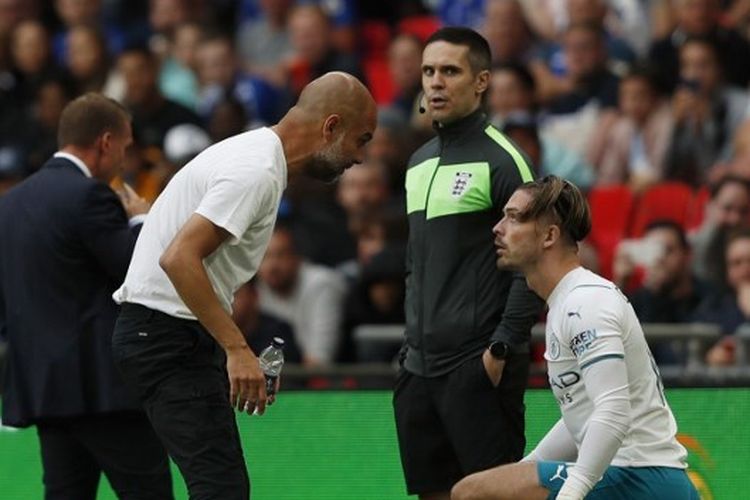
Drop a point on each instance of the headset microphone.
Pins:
(422, 103)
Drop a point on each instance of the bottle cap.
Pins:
(278, 342)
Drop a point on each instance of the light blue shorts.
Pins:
(624, 483)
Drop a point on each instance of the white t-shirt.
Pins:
(589, 321)
(236, 184)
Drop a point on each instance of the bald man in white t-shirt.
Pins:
(616, 439)
(175, 342)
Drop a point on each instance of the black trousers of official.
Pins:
(123, 445)
(456, 424)
(179, 372)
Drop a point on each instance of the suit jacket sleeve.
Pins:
(105, 231)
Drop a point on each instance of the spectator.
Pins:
(549, 155)
(405, 65)
(590, 80)
(507, 31)
(164, 16)
(260, 328)
(263, 42)
(574, 115)
(374, 231)
(219, 76)
(87, 62)
(30, 57)
(377, 298)
(393, 142)
(700, 18)
(363, 189)
(40, 134)
(552, 68)
(512, 90)
(706, 114)
(670, 292)
(731, 308)
(727, 209)
(153, 114)
(314, 52)
(178, 80)
(514, 110)
(228, 118)
(630, 145)
(307, 296)
(13, 12)
(74, 13)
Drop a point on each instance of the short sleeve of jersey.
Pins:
(233, 201)
(593, 324)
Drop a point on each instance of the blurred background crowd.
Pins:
(642, 103)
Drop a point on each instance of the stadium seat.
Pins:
(375, 37)
(667, 200)
(421, 26)
(611, 207)
(379, 80)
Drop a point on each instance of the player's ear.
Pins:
(551, 235)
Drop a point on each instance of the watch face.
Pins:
(499, 350)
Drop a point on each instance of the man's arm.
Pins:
(105, 232)
(606, 383)
(557, 444)
(522, 311)
(182, 261)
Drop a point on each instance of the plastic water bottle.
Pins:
(271, 362)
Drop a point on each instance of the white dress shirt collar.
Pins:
(77, 161)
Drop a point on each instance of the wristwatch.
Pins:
(499, 349)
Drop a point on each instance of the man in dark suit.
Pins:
(66, 244)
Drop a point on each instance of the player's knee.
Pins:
(467, 489)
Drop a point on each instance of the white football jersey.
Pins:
(589, 321)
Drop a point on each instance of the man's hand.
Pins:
(493, 367)
(247, 384)
(131, 202)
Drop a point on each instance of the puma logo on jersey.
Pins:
(577, 312)
(559, 473)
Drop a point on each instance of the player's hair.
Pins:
(561, 203)
(479, 56)
(89, 116)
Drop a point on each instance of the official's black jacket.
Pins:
(456, 299)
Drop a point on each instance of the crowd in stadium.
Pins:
(643, 104)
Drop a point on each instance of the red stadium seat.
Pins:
(375, 37)
(667, 200)
(421, 26)
(379, 80)
(611, 208)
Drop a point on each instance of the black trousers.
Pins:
(458, 423)
(179, 373)
(76, 450)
